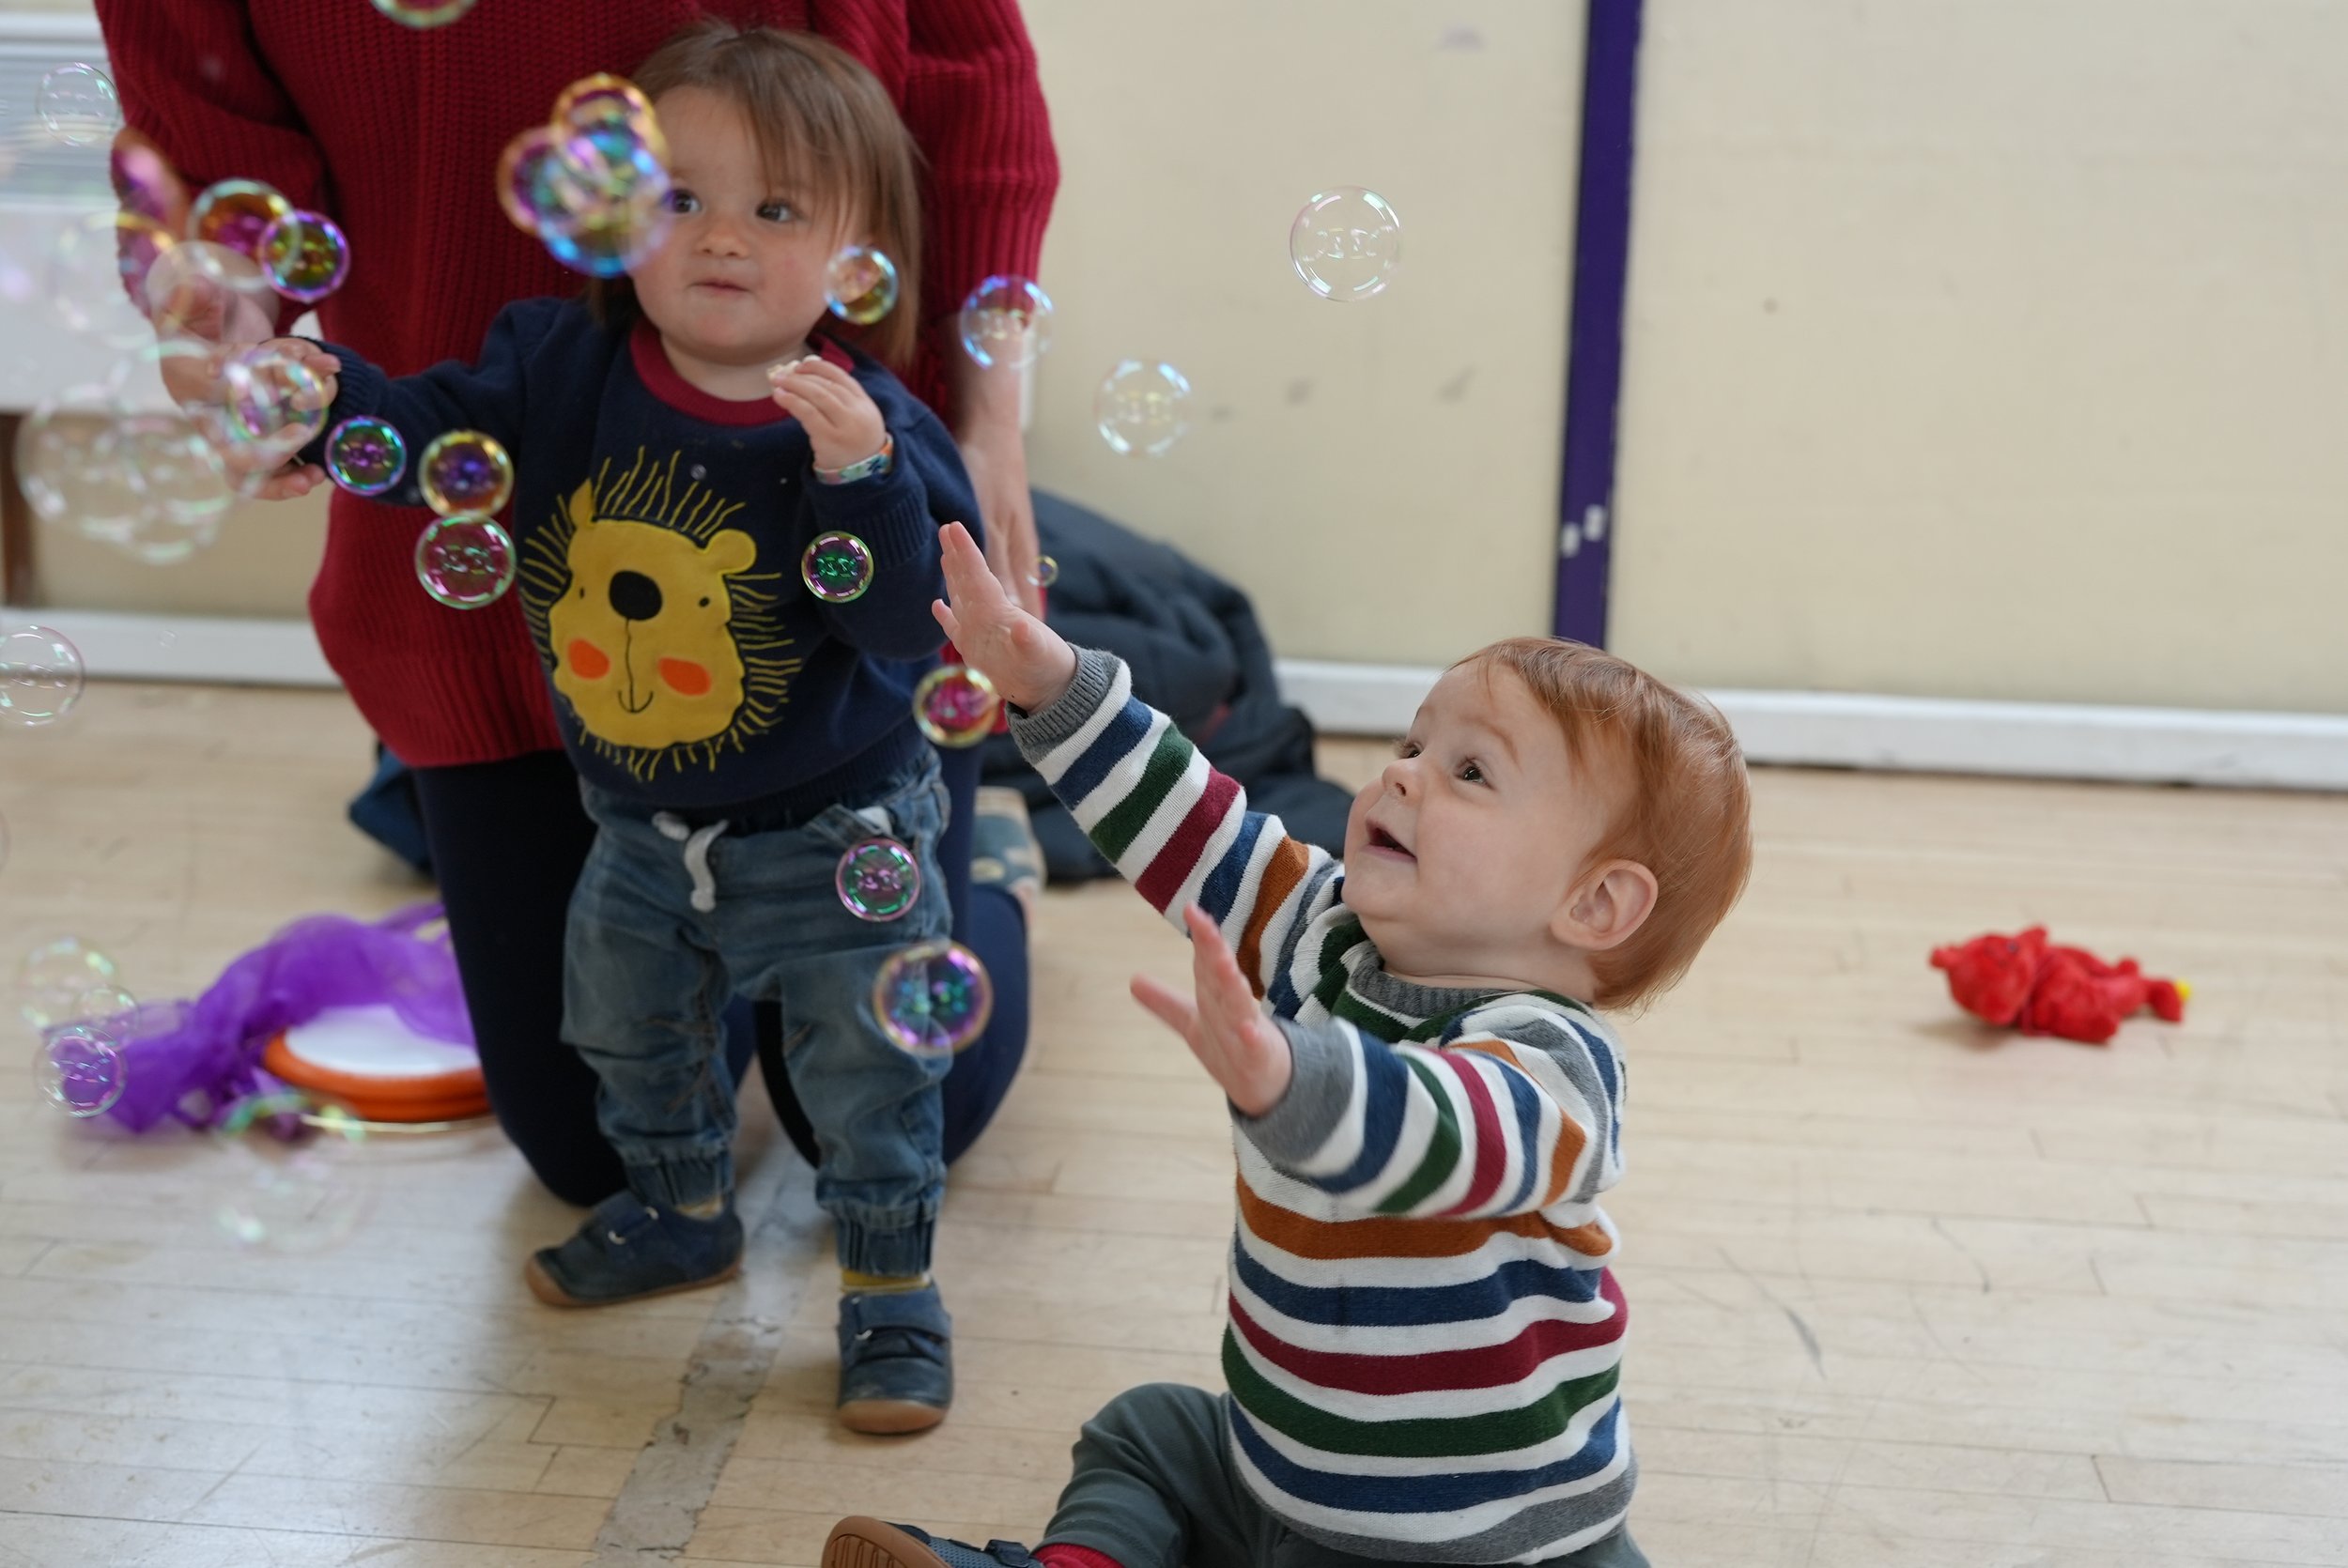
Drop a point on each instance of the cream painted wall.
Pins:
(1991, 349)
(1380, 476)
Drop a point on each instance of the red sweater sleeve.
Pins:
(192, 81)
(973, 103)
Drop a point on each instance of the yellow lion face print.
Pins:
(670, 651)
(640, 641)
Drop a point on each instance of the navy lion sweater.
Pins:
(660, 531)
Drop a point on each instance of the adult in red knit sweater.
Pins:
(395, 133)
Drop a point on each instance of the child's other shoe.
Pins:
(896, 1361)
(627, 1251)
(857, 1542)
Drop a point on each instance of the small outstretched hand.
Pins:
(1030, 664)
(1241, 1049)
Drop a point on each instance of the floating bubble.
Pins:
(464, 470)
(1007, 320)
(180, 481)
(465, 561)
(304, 255)
(609, 110)
(54, 977)
(208, 293)
(99, 266)
(955, 705)
(366, 456)
(104, 1005)
(607, 241)
(79, 105)
(292, 1184)
(64, 465)
(235, 214)
(1142, 408)
(525, 183)
(1046, 572)
(837, 567)
(878, 880)
(1346, 243)
(410, 13)
(40, 679)
(274, 404)
(80, 1069)
(860, 285)
(933, 998)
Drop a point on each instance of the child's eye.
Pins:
(681, 200)
(1471, 772)
(778, 212)
(1407, 748)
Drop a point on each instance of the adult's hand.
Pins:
(995, 450)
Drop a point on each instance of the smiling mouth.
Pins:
(1381, 839)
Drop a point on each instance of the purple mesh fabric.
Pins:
(191, 1060)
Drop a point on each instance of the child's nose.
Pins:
(1398, 776)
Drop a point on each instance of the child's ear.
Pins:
(1606, 907)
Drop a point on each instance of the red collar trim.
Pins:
(660, 378)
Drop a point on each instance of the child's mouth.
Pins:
(1381, 839)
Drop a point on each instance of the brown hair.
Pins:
(1687, 815)
(827, 129)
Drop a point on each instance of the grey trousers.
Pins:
(1154, 1487)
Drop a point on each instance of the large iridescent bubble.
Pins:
(934, 998)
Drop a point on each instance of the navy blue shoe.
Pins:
(626, 1251)
(896, 1361)
(856, 1542)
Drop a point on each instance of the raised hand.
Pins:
(1241, 1049)
(841, 419)
(1030, 664)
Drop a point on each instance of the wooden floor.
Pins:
(1904, 1293)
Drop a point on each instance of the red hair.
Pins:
(1686, 809)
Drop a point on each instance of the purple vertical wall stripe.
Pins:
(1602, 258)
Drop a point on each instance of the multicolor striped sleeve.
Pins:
(1513, 1112)
(1173, 826)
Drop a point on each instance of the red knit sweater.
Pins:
(396, 134)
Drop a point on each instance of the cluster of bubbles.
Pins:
(67, 991)
(465, 559)
(933, 998)
(592, 184)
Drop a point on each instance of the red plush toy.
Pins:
(2044, 990)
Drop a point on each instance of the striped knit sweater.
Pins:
(1425, 1340)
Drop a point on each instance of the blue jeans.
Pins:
(646, 979)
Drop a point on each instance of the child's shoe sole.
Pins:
(890, 1417)
(856, 1542)
(542, 1285)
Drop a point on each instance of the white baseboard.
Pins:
(2045, 740)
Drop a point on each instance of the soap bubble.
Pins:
(592, 183)
(99, 266)
(80, 1069)
(416, 14)
(104, 1005)
(1007, 320)
(878, 880)
(955, 706)
(40, 679)
(366, 456)
(860, 285)
(79, 105)
(54, 976)
(837, 567)
(1346, 243)
(200, 291)
(275, 403)
(526, 182)
(1046, 572)
(180, 482)
(1142, 409)
(610, 111)
(613, 239)
(291, 1184)
(464, 470)
(64, 463)
(305, 256)
(465, 561)
(235, 214)
(934, 998)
